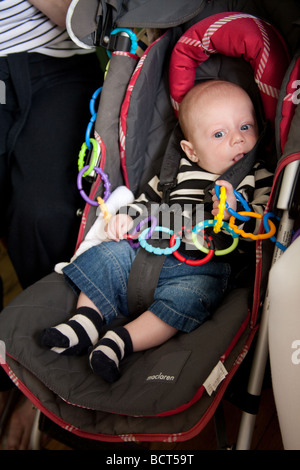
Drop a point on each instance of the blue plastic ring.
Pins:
(156, 250)
(131, 35)
(267, 229)
(93, 100)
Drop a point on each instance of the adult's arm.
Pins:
(56, 10)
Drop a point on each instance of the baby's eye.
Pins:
(219, 134)
(245, 127)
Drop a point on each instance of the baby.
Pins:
(219, 124)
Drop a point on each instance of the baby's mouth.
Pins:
(238, 157)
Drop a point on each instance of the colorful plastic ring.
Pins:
(211, 223)
(193, 262)
(103, 207)
(261, 236)
(267, 227)
(132, 37)
(267, 224)
(240, 198)
(82, 153)
(89, 130)
(93, 100)
(221, 207)
(105, 182)
(157, 250)
(153, 221)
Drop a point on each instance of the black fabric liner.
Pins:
(71, 377)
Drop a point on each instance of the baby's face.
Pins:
(223, 132)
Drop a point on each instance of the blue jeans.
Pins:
(184, 298)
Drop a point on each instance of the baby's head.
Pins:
(218, 121)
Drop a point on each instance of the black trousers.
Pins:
(42, 128)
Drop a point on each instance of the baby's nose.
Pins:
(237, 137)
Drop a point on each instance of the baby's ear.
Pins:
(188, 149)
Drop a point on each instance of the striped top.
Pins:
(24, 28)
(190, 193)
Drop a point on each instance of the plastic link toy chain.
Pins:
(91, 145)
(217, 223)
(269, 226)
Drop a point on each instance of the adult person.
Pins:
(48, 82)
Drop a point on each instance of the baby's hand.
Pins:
(230, 199)
(118, 226)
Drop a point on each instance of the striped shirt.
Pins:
(191, 192)
(24, 28)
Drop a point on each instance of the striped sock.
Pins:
(108, 352)
(76, 335)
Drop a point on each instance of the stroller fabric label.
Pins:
(169, 367)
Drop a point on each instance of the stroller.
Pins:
(168, 393)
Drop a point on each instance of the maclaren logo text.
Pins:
(162, 377)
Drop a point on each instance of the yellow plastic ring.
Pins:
(220, 216)
(104, 210)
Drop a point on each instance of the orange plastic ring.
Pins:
(244, 234)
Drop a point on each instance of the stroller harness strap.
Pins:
(142, 281)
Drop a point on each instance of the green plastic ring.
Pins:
(211, 223)
(81, 157)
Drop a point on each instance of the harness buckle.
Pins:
(166, 188)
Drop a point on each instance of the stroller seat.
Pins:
(167, 393)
